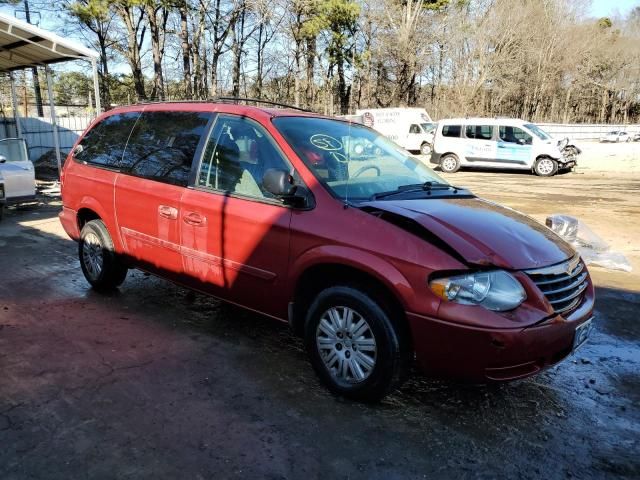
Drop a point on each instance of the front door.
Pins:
(155, 169)
(234, 234)
(514, 146)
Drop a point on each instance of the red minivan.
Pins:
(370, 256)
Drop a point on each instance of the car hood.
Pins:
(482, 232)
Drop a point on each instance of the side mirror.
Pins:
(3, 159)
(278, 182)
(79, 149)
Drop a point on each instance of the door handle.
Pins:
(168, 212)
(195, 219)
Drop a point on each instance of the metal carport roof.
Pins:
(23, 45)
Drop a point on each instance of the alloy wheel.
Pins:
(346, 344)
(92, 255)
(545, 166)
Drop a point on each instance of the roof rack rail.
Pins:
(225, 99)
(257, 100)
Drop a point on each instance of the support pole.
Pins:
(14, 105)
(52, 108)
(96, 86)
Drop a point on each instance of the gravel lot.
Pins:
(157, 382)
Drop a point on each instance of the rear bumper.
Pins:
(21, 199)
(487, 355)
(68, 219)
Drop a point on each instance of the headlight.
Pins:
(496, 290)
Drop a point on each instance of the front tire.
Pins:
(449, 163)
(99, 262)
(545, 167)
(425, 149)
(354, 346)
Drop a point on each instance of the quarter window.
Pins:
(479, 132)
(104, 143)
(514, 135)
(414, 129)
(237, 155)
(163, 144)
(451, 131)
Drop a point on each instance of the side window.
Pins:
(414, 129)
(514, 135)
(104, 143)
(238, 153)
(451, 131)
(479, 132)
(163, 144)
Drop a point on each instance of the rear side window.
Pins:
(104, 143)
(479, 132)
(163, 144)
(451, 130)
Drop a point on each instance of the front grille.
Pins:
(563, 285)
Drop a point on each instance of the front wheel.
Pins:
(353, 344)
(449, 163)
(100, 264)
(425, 149)
(545, 167)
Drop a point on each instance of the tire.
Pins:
(100, 264)
(365, 368)
(449, 163)
(425, 149)
(545, 167)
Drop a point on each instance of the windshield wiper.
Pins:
(413, 188)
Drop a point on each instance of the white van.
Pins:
(411, 128)
(497, 143)
(16, 171)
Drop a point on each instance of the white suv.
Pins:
(497, 143)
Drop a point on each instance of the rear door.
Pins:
(515, 146)
(480, 146)
(234, 234)
(17, 170)
(155, 168)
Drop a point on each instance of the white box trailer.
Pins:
(411, 128)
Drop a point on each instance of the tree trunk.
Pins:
(186, 49)
(311, 59)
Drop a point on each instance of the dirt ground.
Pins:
(157, 382)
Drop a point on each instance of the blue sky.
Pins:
(603, 8)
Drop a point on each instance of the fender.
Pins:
(92, 204)
(370, 264)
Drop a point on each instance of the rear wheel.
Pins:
(449, 163)
(545, 167)
(100, 264)
(353, 344)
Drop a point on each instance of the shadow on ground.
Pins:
(157, 381)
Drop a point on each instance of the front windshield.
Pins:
(351, 160)
(428, 127)
(541, 134)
